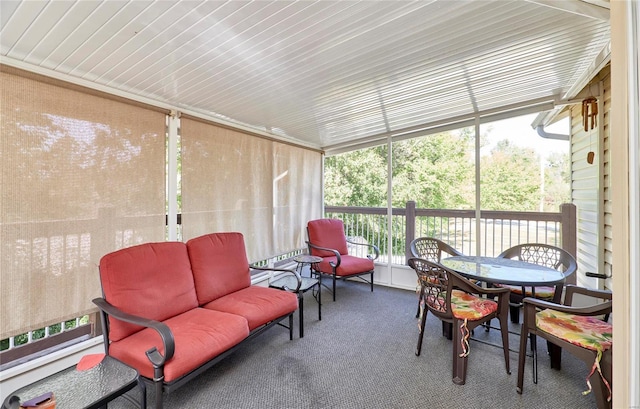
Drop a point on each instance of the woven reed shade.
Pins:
(82, 175)
(233, 181)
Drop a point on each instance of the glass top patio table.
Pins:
(503, 271)
(88, 389)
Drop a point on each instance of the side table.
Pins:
(90, 389)
(303, 259)
(289, 283)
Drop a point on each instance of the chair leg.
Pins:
(600, 390)
(514, 312)
(334, 287)
(371, 280)
(504, 329)
(291, 327)
(555, 355)
(423, 321)
(459, 362)
(522, 357)
(447, 330)
(534, 350)
(420, 301)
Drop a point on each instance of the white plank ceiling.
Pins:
(324, 73)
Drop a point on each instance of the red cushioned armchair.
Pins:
(328, 241)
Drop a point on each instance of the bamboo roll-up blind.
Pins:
(233, 181)
(82, 175)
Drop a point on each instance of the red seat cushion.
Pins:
(259, 305)
(349, 265)
(327, 233)
(200, 335)
(140, 279)
(219, 264)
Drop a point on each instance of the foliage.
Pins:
(557, 182)
(438, 172)
(510, 178)
(37, 334)
(435, 171)
(357, 178)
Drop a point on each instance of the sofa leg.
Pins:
(158, 388)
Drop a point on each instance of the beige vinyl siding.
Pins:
(589, 190)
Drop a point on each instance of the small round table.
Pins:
(303, 259)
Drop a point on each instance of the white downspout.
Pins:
(545, 134)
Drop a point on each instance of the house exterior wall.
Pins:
(590, 183)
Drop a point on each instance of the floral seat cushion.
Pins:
(469, 307)
(464, 306)
(584, 331)
(541, 292)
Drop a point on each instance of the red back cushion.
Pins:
(327, 233)
(151, 280)
(219, 264)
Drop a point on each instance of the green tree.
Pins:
(510, 178)
(436, 171)
(357, 178)
(557, 183)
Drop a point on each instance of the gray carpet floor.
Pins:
(362, 355)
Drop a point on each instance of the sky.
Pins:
(519, 132)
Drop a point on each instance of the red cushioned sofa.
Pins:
(171, 310)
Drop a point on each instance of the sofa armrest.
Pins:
(154, 356)
(283, 270)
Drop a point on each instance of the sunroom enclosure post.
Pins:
(389, 204)
(569, 230)
(478, 202)
(625, 200)
(172, 175)
(410, 227)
